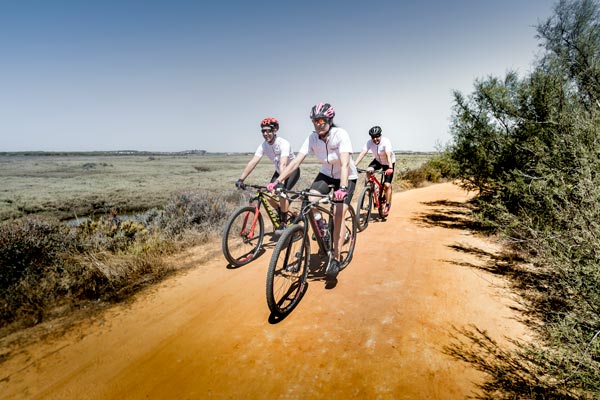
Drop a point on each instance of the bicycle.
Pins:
(288, 268)
(244, 230)
(372, 194)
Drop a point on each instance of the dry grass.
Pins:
(71, 186)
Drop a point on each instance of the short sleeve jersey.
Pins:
(328, 153)
(379, 150)
(279, 148)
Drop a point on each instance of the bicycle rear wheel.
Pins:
(241, 240)
(381, 210)
(364, 207)
(286, 277)
(349, 230)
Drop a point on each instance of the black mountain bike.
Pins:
(288, 269)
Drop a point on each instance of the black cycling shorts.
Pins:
(376, 165)
(290, 181)
(322, 182)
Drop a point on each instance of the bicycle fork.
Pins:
(249, 234)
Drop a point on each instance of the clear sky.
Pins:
(181, 75)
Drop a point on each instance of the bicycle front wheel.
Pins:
(286, 277)
(243, 235)
(364, 207)
(349, 230)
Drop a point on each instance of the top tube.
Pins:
(258, 187)
(360, 170)
(305, 193)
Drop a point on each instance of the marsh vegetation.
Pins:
(138, 210)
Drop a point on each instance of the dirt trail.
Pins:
(378, 334)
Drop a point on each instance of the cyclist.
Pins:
(385, 159)
(280, 152)
(332, 146)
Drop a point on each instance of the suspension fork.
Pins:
(250, 233)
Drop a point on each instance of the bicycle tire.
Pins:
(350, 230)
(364, 207)
(238, 249)
(288, 269)
(381, 210)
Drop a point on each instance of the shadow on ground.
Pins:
(510, 373)
(449, 214)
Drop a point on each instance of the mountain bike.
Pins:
(288, 268)
(244, 230)
(372, 195)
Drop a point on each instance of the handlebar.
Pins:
(325, 198)
(361, 170)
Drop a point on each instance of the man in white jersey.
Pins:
(381, 148)
(332, 146)
(280, 153)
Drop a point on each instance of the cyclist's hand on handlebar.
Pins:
(388, 171)
(370, 170)
(274, 185)
(240, 184)
(340, 194)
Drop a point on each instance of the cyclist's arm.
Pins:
(388, 155)
(251, 164)
(283, 162)
(360, 157)
(345, 168)
(291, 167)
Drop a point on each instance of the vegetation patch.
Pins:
(49, 269)
(530, 147)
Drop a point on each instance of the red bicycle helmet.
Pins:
(270, 121)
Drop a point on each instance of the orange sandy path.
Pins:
(206, 333)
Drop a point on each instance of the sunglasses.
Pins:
(266, 130)
(320, 121)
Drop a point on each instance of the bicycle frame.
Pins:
(377, 187)
(307, 214)
(244, 230)
(261, 197)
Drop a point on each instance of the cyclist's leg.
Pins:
(340, 212)
(288, 184)
(321, 185)
(387, 184)
(275, 204)
(376, 165)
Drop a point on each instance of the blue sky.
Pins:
(181, 75)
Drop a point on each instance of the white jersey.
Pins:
(379, 150)
(279, 148)
(328, 152)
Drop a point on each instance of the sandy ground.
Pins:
(378, 334)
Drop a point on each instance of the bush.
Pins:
(194, 210)
(530, 147)
(32, 253)
(440, 167)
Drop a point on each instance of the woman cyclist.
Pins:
(385, 159)
(332, 146)
(280, 152)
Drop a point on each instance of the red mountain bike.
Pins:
(372, 195)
